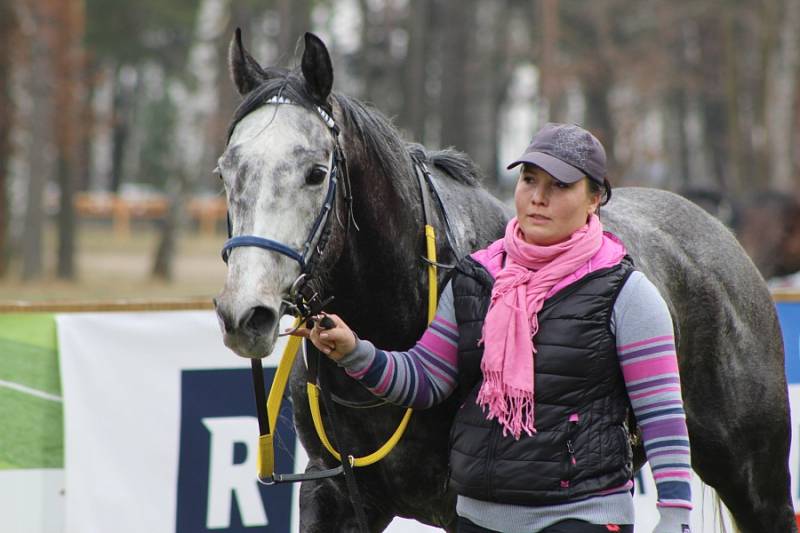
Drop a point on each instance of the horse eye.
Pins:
(316, 175)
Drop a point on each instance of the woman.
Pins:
(550, 336)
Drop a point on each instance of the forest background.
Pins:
(113, 113)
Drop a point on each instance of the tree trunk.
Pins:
(68, 125)
(39, 82)
(489, 76)
(675, 40)
(457, 46)
(548, 74)
(8, 35)
(415, 74)
(122, 104)
(194, 119)
(731, 88)
(295, 21)
(712, 101)
(502, 69)
(598, 78)
(780, 102)
(678, 109)
(374, 59)
(164, 261)
(598, 114)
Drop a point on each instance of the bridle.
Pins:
(304, 298)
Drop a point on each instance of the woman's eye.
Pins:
(562, 185)
(316, 175)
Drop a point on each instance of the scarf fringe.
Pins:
(511, 407)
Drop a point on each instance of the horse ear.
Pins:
(317, 68)
(246, 73)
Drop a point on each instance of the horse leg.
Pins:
(325, 506)
(739, 428)
(750, 474)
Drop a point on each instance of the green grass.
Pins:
(37, 329)
(30, 366)
(33, 431)
(32, 435)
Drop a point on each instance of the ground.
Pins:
(111, 267)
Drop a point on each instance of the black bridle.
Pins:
(304, 299)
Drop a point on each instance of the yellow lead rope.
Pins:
(433, 293)
(265, 463)
(266, 451)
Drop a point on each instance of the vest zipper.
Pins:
(569, 459)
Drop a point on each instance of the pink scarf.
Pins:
(519, 292)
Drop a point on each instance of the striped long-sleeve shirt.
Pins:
(426, 375)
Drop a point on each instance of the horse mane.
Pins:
(455, 164)
(379, 136)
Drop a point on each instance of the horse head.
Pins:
(279, 170)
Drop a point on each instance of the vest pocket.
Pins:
(569, 462)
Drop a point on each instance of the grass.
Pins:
(32, 435)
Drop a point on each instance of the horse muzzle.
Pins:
(248, 330)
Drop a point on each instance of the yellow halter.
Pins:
(266, 451)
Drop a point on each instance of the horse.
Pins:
(292, 139)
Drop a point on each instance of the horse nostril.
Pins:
(261, 319)
(225, 319)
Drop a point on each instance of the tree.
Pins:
(157, 33)
(415, 69)
(38, 39)
(456, 18)
(67, 122)
(780, 102)
(8, 35)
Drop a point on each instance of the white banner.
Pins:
(135, 387)
(160, 433)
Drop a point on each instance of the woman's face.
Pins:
(548, 210)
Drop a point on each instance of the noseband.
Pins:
(306, 302)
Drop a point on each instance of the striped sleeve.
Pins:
(421, 377)
(646, 348)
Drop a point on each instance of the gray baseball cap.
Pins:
(567, 152)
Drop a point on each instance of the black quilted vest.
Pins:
(582, 444)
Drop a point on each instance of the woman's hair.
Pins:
(603, 190)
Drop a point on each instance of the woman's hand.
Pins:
(335, 342)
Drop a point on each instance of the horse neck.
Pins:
(376, 281)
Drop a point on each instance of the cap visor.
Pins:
(560, 170)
